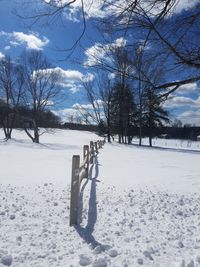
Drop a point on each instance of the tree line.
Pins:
(27, 89)
(159, 52)
(128, 99)
(150, 49)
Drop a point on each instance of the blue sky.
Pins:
(16, 35)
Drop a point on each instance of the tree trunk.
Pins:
(140, 134)
(35, 137)
(108, 125)
(108, 135)
(7, 132)
(140, 126)
(150, 137)
(7, 135)
(119, 138)
(36, 132)
(150, 131)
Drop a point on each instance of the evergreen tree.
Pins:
(122, 111)
(154, 114)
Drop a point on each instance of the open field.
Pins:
(141, 206)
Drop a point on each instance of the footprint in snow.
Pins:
(84, 260)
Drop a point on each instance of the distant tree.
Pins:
(113, 91)
(122, 111)
(106, 93)
(48, 119)
(42, 88)
(177, 123)
(94, 113)
(99, 95)
(149, 99)
(5, 111)
(154, 113)
(11, 92)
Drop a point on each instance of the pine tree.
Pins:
(154, 114)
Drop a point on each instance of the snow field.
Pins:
(25, 163)
(140, 207)
(130, 166)
(171, 143)
(119, 228)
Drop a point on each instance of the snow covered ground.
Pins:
(141, 206)
(171, 143)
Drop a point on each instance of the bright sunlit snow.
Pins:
(141, 206)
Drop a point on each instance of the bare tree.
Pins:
(50, 12)
(171, 35)
(94, 101)
(153, 19)
(11, 92)
(115, 61)
(106, 93)
(42, 88)
(148, 97)
(99, 94)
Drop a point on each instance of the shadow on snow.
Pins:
(86, 233)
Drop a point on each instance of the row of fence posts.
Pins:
(79, 172)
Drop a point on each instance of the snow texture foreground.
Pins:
(131, 228)
(130, 225)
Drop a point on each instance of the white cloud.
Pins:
(14, 43)
(91, 8)
(7, 47)
(32, 40)
(97, 103)
(72, 114)
(71, 79)
(87, 110)
(111, 76)
(73, 75)
(82, 106)
(182, 101)
(102, 9)
(191, 117)
(94, 54)
(184, 5)
(187, 88)
(98, 52)
(2, 55)
(67, 114)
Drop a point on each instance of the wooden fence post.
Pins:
(101, 143)
(75, 187)
(92, 152)
(86, 154)
(96, 147)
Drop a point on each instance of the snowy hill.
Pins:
(141, 206)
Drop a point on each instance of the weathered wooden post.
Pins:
(92, 152)
(75, 187)
(96, 147)
(86, 154)
(100, 143)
